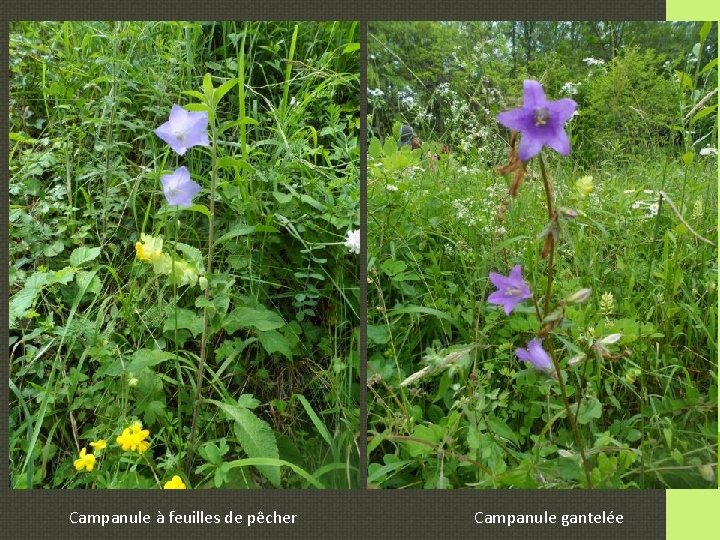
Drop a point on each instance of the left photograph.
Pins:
(184, 255)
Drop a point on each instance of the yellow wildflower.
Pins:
(86, 461)
(584, 186)
(99, 445)
(149, 248)
(133, 438)
(175, 483)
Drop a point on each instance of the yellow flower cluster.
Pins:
(183, 273)
(133, 438)
(175, 483)
(86, 461)
(584, 186)
(149, 248)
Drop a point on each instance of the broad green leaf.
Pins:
(146, 358)
(83, 254)
(590, 408)
(255, 437)
(375, 148)
(186, 319)
(245, 317)
(377, 333)
(273, 341)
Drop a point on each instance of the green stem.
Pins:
(206, 311)
(175, 300)
(553, 356)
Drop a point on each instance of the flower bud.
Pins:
(578, 297)
(610, 339)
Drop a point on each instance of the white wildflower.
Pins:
(352, 242)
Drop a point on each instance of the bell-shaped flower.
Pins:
(539, 121)
(179, 188)
(512, 289)
(184, 129)
(536, 355)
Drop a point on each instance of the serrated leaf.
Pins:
(256, 438)
(245, 317)
(83, 254)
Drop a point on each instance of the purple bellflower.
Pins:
(184, 129)
(512, 289)
(540, 121)
(179, 188)
(536, 356)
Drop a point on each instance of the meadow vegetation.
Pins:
(623, 272)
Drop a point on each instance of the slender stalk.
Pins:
(206, 311)
(175, 300)
(553, 356)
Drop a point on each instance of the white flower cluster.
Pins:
(391, 187)
(651, 207)
(570, 88)
(590, 61)
(375, 92)
(352, 242)
(708, 151)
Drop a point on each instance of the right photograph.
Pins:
(542, 255)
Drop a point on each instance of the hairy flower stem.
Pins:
(551, 349)
(206, 311)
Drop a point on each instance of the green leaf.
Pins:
(705, 30)
(711, 64)
(194, 93)
(255, 437)
(53, 249)
(223, 89)
(282, 198)
(270, 462)
(186, 319)
(319, 425)
(244, 317)
(390, 147)
(351, 48)
(146, 358)
(377, 333)
(702, 113)
(208, 88)
(590, 408)
(375, 148)
(273, 341)
(83, 254)
(430, 435)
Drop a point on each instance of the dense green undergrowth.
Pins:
(450, 404)
(99, 340)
